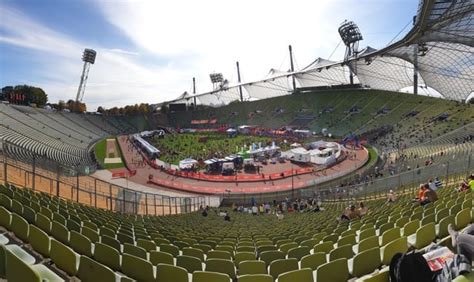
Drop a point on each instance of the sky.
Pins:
(148, 51)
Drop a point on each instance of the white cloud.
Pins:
(188, 38)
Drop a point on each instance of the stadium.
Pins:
(337, 171)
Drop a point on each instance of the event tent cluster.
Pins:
(439, 47)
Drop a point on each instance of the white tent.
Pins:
(300, 155)
(187, 163)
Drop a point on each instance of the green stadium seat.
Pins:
(43, 222)
(286, 247)
(125, 238)
(280, 266)
(399, 245)
(107, 256)
(29, 214)
(242, 256)
(17, 207)
(80, 243)
(114, 243)
(410, 227)
(366, 244)
(324, 247)
(73, 226)
(173, 250)
(60, 232)
(219, 255)
(208, 276)
(298, 252)
(134, 250)
(5, 218)
(166, 272)
(137, 268)
(148, 245)
(364, 262)
(269, 256)
(20, 227)
(424, 236)
(91, 234)
(91, 271)
(64, 257)
(336, 270)
(157, 257)
(341, 252)
(442, 227)
(462, 219)
(313, 260)
(366, 233)
(21, 271)
(389, 235)
(221, 266)
(5, 202)
(189, 263)
(252, 267)
(39, 240)
(301, 275)
(255, 278)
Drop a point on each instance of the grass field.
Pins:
(372, 155)
(100, 154)
(177, 147)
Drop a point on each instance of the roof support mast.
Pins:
(194, 91)
(292, 68)
(415, 65)
(238, 78)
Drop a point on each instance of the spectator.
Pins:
(204, 213)
(471, 182)
(227, 217)
(349, 213)
(463, 241)
(432, 185)
(438, 183)
(464, 186)
(254, 210)
(391, 197)
(362, 209)
(421, 193)
(429, 196)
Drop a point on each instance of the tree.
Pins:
(100, 109)
(61, 105)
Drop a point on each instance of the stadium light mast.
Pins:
(292, 68)
(194, 91)
(216, 79)
(88, 57)
(350, 35)
(238, 80)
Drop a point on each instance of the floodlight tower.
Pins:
(216, 79)
(350, 35)
(88, 57)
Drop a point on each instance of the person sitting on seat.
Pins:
(429, 196)
(391, 197)
(463, 241)
(350, 213)
(227, 217)
(362, 209)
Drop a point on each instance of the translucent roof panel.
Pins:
(385, 73)
(220, 97)
(324, 76)
(272, 87)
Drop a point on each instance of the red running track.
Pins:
(163, 179)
